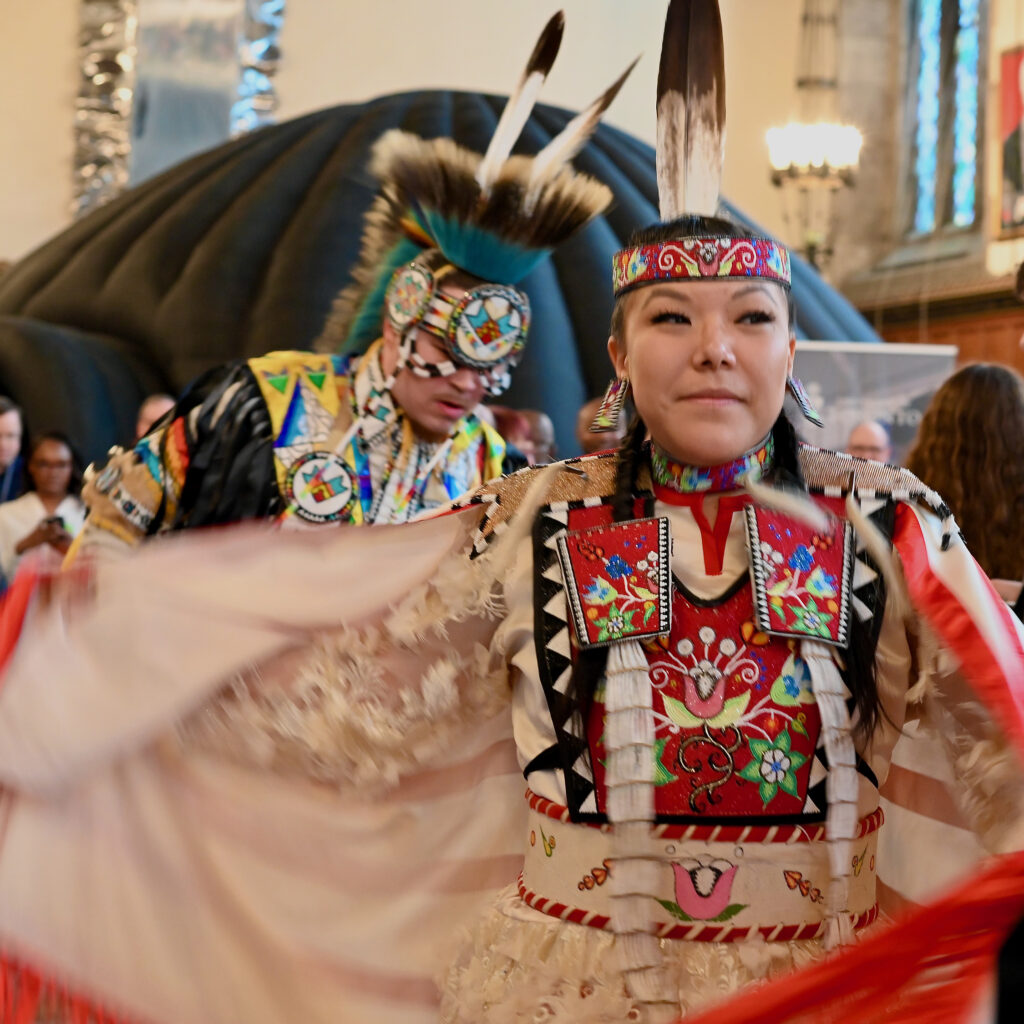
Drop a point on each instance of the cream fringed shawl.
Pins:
(162, 871)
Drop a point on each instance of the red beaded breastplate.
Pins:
(736, 724)
(737, 728)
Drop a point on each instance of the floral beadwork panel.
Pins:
(736, 722)
(618, 580)
(801, 575)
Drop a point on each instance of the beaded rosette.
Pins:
(688, 258)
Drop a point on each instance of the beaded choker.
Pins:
(686, 479)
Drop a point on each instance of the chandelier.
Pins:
(814, 157)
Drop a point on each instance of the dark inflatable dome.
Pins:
(240, 250)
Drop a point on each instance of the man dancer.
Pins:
(388, 429)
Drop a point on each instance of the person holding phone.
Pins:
(49, 514)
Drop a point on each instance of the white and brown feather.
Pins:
(691, 110)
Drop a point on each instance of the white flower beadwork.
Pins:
(648, 565)
(769, 554)
(706, 635)
(774, 765)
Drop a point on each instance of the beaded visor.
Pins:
(684, 259)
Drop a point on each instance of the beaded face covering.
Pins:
(729, 476)
(484, 330)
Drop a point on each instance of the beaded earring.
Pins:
(799, 393)
(607, 416)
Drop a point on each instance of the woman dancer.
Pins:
(287, 781)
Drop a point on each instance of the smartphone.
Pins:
(54, 519)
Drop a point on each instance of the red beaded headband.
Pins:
(687, 258)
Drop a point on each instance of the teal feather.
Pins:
(478, 251)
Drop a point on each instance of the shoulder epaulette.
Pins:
(836, 474)
(592, 477)
(588, 477)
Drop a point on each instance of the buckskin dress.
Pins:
(297, 785)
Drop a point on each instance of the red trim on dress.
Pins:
(944, 612)
(716, 833)
(713, 538)
(932, 965)
(27, 996)
(13, 609)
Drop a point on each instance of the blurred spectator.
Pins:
(870, 440)
(50, 513)
(970, 448)
(1018, 289)
(513, 427)
(529, 433)
(152, 409)
(589, 440)
(539, 444)
(12, 466)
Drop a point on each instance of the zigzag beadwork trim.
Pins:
(698, 932)
(715, 833)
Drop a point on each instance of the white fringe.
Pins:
(629, 737)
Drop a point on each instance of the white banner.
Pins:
(849, 382)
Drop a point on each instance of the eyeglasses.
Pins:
(47, 464)
(485, 329)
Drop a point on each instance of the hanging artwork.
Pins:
(164, 79)
(1011, 137)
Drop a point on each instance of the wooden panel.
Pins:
(995, 338)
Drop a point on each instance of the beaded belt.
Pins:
(707, 883)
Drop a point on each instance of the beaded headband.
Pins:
(684, 259)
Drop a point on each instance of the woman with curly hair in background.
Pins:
(970, 448)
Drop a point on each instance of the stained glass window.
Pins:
(965, 126)
(929, 31)
(945, 83)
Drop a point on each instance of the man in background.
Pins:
(153, 408)
(379, 423)
(12, 469)
(541, 442)
(870, 440)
